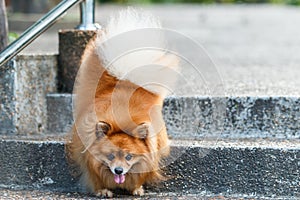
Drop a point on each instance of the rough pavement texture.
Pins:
(255, 48)
(37, 194)
(207, 168)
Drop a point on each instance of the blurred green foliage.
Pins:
(12, 37)
(289, 2)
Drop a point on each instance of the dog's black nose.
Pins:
(118, 170)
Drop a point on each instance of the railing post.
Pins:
(3, 26)
(87, 16)
(36, 29)
(72, 44)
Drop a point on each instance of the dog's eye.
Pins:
(128, 157)
(110, 157)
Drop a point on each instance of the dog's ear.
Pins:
(102, 129)
(142, 130)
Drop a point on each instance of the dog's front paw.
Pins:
(138, 191)
(104, 193)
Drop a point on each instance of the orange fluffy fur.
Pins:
(124, 107)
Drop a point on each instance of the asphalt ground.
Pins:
(49, 195)
(255, 48)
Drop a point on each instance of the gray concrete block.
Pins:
(225, 167)
(260, 117)
(23, 87)
(59, 109)
(72, 44)
(7, 99)
(233, 117)
(224, 117)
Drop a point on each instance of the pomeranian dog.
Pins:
(119, 135)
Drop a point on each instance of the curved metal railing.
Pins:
(87, 13)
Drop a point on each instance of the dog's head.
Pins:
(120, 152)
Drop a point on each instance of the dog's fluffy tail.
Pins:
(133, 47)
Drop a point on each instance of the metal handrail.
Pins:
(87, 8)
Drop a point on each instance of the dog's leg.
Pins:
(103, 193)
(138, 191)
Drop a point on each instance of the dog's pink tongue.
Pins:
(119, 178)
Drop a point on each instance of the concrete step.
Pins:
(207, 117)
(29, 102)
(24, 83)
(240, 168)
